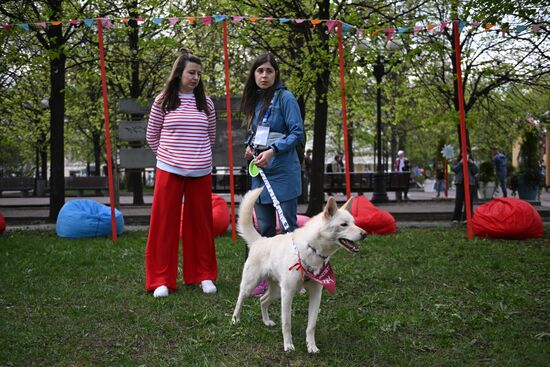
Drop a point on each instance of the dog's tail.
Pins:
(245, 224)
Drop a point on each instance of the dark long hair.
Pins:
(250, 93)
(170, 99)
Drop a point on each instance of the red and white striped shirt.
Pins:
(182, 139)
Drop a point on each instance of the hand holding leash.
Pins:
(263, 159)
(254, 170)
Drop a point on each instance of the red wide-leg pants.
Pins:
(199, 253)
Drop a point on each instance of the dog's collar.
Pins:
(303, 264)
(325, 258)
(325, 277)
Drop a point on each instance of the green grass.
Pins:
(421, 297)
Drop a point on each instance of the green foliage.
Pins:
(486, 172)
(529, 156)
(440, 301)
(419, 107)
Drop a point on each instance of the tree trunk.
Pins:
(317, 192)
(134, 176)
(57, 115)
(96, 138)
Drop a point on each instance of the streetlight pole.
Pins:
(379, 195)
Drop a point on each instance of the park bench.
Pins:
(334, 182)
(364, 181)
(82, 183)
(22, 184)
(221, 183)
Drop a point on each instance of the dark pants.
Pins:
(502, 181)
(459, 214)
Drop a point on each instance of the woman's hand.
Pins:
(262, 160)
(248, 153)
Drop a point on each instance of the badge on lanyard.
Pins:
(262, 131)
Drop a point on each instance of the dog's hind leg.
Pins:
(249, 280)
(287, 296)
(272, 293)
(315, 292)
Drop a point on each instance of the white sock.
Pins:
(208, 287)
(161, 291)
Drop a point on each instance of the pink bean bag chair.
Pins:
(370, 218)
(507, 218)
(300, 221)
(2, 223)
(220, 216)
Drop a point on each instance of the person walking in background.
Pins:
(398, 166)
(181, 131)
(407, 168)
(500, 162)
(275, 127)
(459, 214)
(337, 165)
(439, 179)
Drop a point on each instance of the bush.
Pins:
(529, 157)
(486, 172)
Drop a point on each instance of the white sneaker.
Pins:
(208, 287)
(161, 291)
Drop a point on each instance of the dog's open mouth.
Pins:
(348, 245)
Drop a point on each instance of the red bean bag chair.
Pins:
(2, 223)
(507, 218)
(370, 218)
(220, 216)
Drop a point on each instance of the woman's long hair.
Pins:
(170, 99)
(250, 93)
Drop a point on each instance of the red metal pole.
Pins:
(229, 131)
(463, 142)
(107, 128)
(344, 108)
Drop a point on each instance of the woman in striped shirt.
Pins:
(181, 131)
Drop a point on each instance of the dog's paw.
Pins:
(235, 320)
(312, 349)
(269, 323)
(289, 347)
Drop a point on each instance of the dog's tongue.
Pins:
(350, 245)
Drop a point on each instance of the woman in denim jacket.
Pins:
(275, 127)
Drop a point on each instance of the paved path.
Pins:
(422, 209)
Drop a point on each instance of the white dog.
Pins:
(294, 260)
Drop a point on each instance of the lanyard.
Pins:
(268, 110)
(261, 133)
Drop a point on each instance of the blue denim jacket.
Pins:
(283, 171)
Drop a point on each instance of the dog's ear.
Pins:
(331, 208)
(347, 204)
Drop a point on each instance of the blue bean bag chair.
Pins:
(86, 218)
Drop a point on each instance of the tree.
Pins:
(54, 41)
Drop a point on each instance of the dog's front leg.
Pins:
(315, 292)
(287, 296)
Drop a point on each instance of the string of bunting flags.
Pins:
(504, 29)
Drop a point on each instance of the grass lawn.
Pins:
(421, 297)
